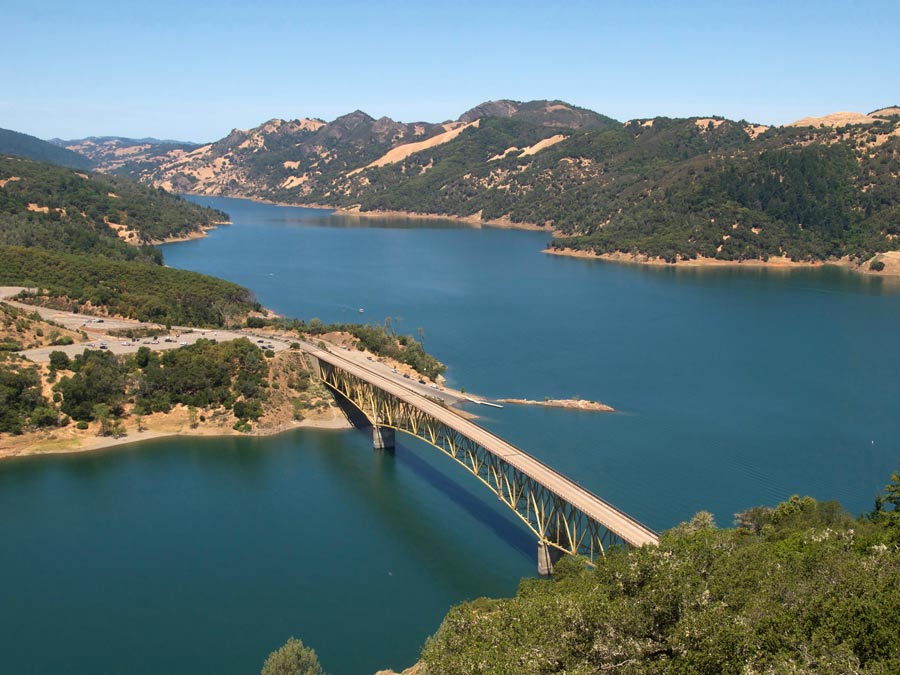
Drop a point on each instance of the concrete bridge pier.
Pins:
(547, 557)
(382, 438)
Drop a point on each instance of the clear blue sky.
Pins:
(193, 70)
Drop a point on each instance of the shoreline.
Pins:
(68, 441)
(190, 236)
(891, 259)
(474, 220)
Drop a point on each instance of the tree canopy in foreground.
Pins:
(801, 588)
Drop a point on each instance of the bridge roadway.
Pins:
(588, 503)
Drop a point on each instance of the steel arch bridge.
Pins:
(565, 517)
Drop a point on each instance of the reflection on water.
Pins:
(178, 542)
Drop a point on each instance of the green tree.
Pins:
(44, 416)
(293, 658)
(101, 413)
(142, 357)
(98, 378)
(814, 591)
(59, 360)
(891, 499)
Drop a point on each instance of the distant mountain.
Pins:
(17, 144)
(123, 140)
(544, 113)
(668, 189)
(277, 159)
(310, 159)
(126, 156)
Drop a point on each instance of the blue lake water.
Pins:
(735, 388)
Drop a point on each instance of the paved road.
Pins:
(450, 396)
(180, 336)
(99, 338)
(177, 338)
(588, 503)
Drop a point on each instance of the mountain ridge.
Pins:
(656, 188)
(17, 144)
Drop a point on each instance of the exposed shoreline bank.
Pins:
(175, 424)
(567, 403)
(891, 261)
(190, 236)
(474, 220)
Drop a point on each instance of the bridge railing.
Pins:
(557, 523)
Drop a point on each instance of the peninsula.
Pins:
(101, 344)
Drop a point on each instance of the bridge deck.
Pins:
(587, 502)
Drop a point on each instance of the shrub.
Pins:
(294, 658)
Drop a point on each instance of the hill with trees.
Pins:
(667, 189)
(305, 159)
(93, 284)
(59, 241)
(63, 209)
(125, 156)
(801, 588)
(22, 145)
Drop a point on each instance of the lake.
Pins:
(734, 387)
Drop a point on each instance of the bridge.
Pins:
(564, 516)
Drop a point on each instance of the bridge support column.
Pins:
(547, 556)
(382, 438)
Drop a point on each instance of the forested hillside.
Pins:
(668, 189)
(305, 160)
(29, 147)
(665, 188)
(132, 289)
(802, 588)
(62, 209)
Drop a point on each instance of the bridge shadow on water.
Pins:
(513, 534)
(477, 506)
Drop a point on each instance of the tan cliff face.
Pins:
(837, 119)
(286, 160)
(301, 152)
